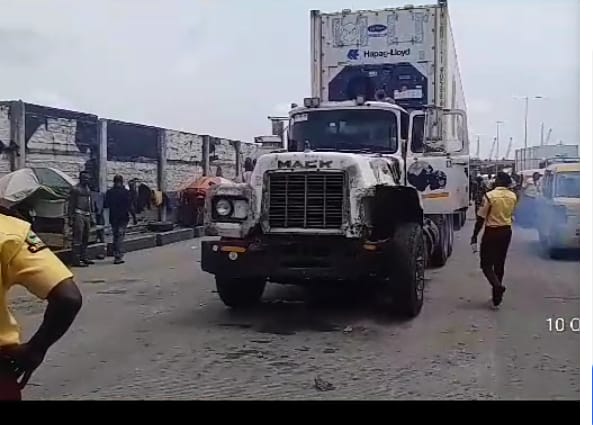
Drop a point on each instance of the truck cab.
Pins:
(345, 203)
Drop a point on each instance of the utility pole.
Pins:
(478, 145)
(541, 135)
(526, 117)
(498, 123)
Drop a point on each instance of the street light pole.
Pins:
(498, 123)
(526, 118)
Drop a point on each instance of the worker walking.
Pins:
(27, 261)
(80, 216)
(496, 213)
(119, 201)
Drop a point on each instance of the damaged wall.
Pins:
(71, 141)
(223, 157)
(62, 139)
(132, 151)
(184, 158)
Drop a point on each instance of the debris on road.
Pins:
(322, 385)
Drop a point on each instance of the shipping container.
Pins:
(535, 157)
(407, 52)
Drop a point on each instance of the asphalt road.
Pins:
(155, 329)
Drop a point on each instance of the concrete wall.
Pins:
(71, 141)
(62, 139)
(184, 152)
(132, 151)
(4, 138)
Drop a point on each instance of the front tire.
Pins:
(238, 293)
(406, 282)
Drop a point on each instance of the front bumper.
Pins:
(291, 260)
(567, 236)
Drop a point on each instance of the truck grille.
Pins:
(312, 200)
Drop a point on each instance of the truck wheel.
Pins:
(407, 276)
(441, 251)
(457, 221)
(239, 293)
(555, 253)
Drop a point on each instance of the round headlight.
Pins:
(223, 207)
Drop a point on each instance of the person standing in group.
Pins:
(80, 216)
(496, 213)
(28, 262)
(118, 200)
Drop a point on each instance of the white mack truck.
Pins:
(374, 180)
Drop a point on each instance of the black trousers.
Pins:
(493, 249)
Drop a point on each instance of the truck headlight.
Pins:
(223, 207)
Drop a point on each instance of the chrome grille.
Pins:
(307, 200)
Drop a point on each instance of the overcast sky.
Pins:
(221, 67)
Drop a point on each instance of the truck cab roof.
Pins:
(386, 105)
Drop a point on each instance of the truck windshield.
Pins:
(347, 130)
(568, 185)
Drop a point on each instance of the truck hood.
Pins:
(363, 170)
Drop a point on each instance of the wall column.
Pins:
(162, 171)
(205, 155)
(103, 183)
(17, 132)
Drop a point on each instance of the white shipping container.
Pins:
(532, 157)
(408, 52)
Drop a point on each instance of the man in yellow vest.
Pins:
(28, 262)
(496, 213)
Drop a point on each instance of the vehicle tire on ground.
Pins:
(240, 293)
(441, 251)
(555, 253)
(458, 221)
(450, 238)
(406, 283)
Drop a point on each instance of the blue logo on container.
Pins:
(377, 28)
(353, 54)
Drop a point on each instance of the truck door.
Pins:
(438, 159)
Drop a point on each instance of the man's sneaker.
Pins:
(79, 264)
(497, 293)
(88, 262)
(118, 261)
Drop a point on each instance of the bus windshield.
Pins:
(568, 185)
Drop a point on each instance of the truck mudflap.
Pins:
(288, 261)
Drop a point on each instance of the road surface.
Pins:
(155, 329)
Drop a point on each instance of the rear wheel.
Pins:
(442, 250)
(239, 293)
(406, 283)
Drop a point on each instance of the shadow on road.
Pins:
(288, 310)
(567, 255)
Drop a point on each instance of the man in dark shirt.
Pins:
(118, 200)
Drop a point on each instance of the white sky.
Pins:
(222, 66)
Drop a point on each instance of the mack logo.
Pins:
(305, 164)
